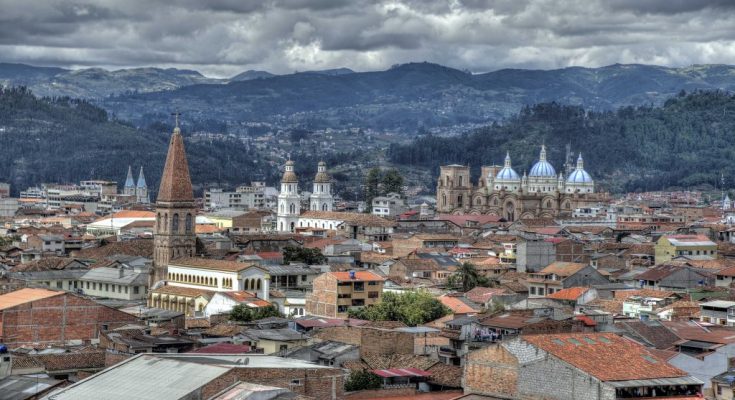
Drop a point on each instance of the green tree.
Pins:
(466, 277)
(392, 182)
(243, 313)
(372, 187)
(362, 380)
(411, 308)
(303, 254)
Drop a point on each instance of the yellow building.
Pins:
(334, 293)
(695, 247)
(182, 299)
(223, 219)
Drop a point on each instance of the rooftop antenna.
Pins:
(176, 114)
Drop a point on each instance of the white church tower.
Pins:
(289, 201)
(321, 197)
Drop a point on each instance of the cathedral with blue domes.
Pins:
(502, 191)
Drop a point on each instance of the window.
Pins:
(372, 283)
(541, 291)
(107, 287)
(94, 285)
(359, 286)
(188, 223)
(533, 290)
(136, 290)
(295, 382)
(126, 290)
(175, 223)
(59, 284)
(303, 278)
(373, 295)
(87, 285)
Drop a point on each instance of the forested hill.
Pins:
(63, 140)
(688, 141)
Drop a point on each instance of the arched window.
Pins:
(324, 207)
(188, 223)
(281, 208)
(461, 180)
(175, 223)
(258, 284)
(444, 199)
(158, 221)
(459, 200)
(292, 208)
(165, 222)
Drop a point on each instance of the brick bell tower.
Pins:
(175, 210)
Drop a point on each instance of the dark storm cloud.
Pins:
(224, 37)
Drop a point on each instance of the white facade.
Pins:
(321, 197)
(252, 279)
(389, 205)
(289, 201)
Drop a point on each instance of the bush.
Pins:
(362, 380)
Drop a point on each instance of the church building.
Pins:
(289, 199)
(503, 192)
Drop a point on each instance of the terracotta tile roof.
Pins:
(136, 247)
(605, 356)
(482, 295)
(23, 296)
(184, 291)
(572, 293)
(45, 264)
(372, 257)
(658, 272)
(654, 333)
(457, 305)
(134, 214)
(691, 330)
(441, 374)
(359, 276)
(508, 321)
(223, 330)
(358, 219)
(207, 228)
(191, 323)
(613, 306)
(727, 272)
(562, 269)
(247, 298)
(208, 263)
(175, 181)
(462, 220)
(73, 361)
(661, 294)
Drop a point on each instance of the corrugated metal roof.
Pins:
(113, 275)
(144, 378)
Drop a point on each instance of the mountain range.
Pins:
(406, 97)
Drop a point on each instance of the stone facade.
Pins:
(500, 191)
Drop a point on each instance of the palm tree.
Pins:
(467, 274)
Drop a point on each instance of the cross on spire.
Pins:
(176, 115)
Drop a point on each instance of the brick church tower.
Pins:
(175, 210)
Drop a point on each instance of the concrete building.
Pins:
(563, 275)
(116, 281)
(696, 247)
(334, 293)
(389, 206)
(534, 254)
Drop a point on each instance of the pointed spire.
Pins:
(542, 156)
(175, 181)
(141, 179)
(507, 159)
(580, 162)
(129, 182)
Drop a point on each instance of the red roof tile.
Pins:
(572, 293)
(605, 356)
(175, 181)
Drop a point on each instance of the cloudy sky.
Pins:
(225, 37)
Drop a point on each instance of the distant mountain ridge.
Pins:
(407, 97)
(415, 95)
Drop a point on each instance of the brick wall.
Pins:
(323, 299)
(320, 383)
(491, 371)
(114, 358)
(59, 319)
(370, 340)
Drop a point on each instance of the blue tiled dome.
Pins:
(579, 176)
(542, 168)
(508, 174)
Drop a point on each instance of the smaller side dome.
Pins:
(507, 173)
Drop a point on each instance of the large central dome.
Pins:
(542, 168)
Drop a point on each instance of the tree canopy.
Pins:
(243, 313)
(304, 255)
(411, 308)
